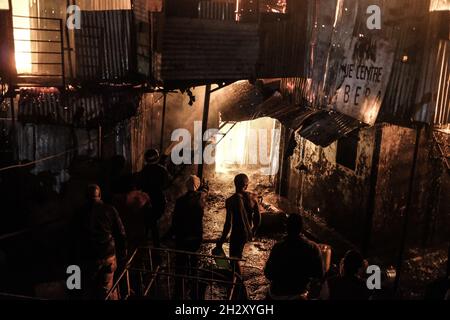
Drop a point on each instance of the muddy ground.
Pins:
(420, 267)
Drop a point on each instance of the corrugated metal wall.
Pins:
(419, 83)
(7, 70)
(399, 102)
(43, 106)
(442, 109)
(217, 10)
(207, 50)
(433, 98)
(103, 46)
(283, 45)
(103, 4)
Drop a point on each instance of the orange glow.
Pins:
(244, 146)
(22, 37)
(440, 5)
(4, 5)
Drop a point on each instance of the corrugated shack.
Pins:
(366, 127)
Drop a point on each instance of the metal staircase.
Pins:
(227, 130)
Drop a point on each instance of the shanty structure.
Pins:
(364, 113)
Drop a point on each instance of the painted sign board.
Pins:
(359, 64)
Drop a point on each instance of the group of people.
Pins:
(295, 264)
(294, 268)
(101, 240)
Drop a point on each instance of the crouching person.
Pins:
(293, 263)
(349, 284)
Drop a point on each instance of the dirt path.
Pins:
(255, 253)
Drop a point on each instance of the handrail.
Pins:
(192, 253)
(146, 269)
(18, 296)
(34, 17)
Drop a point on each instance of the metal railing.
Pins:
(45, 42)
(217, 10)
(159, 273)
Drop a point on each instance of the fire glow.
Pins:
(440, 5)
(248, 143)
(22, 36)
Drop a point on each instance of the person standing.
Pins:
(102, 245)
(153, 179)
(293, 263)
(242, 217)
(187, 227)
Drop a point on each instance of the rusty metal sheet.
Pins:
(321, 127)
(217, 10)
(238, 101)
(324, 128)
(359, 63)
(142, 8)
(196, 49)
(433, 90)
(100, 5)
(103, 46)
(48, 106)
(283, 50)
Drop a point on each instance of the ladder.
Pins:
(222, 126)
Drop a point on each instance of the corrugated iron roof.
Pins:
(48, 106)
(322, 127)
(326, 127)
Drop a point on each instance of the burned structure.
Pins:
(363, 112)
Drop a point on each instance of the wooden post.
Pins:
(204, 128)
(99, 142)
(13, 130)
(370, 210)
(163, 123)
(407, 210)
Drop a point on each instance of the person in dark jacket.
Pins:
(349, 285)
(187, 221)
(242, 217)
(293, 263)
(153, 179)
(102, 245)
(187, 227)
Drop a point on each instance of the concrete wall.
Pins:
(428, 219)
(340, 196)
(331, 190)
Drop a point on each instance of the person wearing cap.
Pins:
(102, 243)
(153, 179)
(187, 227)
